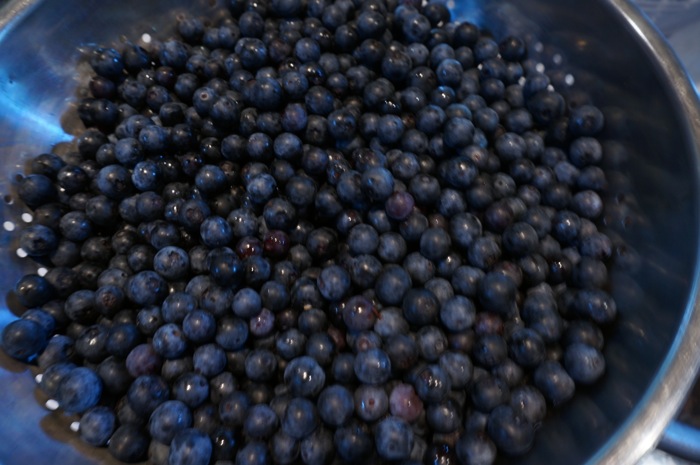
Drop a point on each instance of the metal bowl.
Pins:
(610, 49)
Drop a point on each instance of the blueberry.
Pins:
(209, 360)
(392, 247)
(284, 448)
(49, 215)
(404, 403)
(190, 29)
(140, 257)
(459, 172)
(335, 405)
(554, 382)
(488, 392)
(458, 367)
(53, 375)
(333, 283)
(443, 417)
(520, 239)
(79, 390)
(72, 179)
(97, 425)
(317, 448)
(432, 383)
(109, 297)
(253, 453)
(129, 444)
(490, 350)
(190, 446)
(210, 179)
(431, 343)
(146, 393)
(529, 403)
(261, 422)
(91, 343)
(172, 263)
(342, 368)
(464, 229)
(75, 226)
(526, 347)
(372, 366)
(122, 338)
(190, 388)
(589, 273)
(399, 205)
(23, 339)
(587, 204)
(420, 306)
(585, 120)
(394, 439)
(168, 419)
(457, 313)
(566, 227)
(177, 306)
(174, 369)
(584, 363)
(497, 293)
(540, 313)
(233, 408)
(300, 191)
(143, 360)
(225, 443)
(353, 442)
(80, 306)
(359, 314)
(319, 101)
(47, 164)
(585, 332)
(107, 62)
(221, 386)
(435, 243)
(371, 402)
(280, 214)
(286, 8)
(304, 376)
(174, 54)
(300, 418)
(246, 303)
(350, 190)
(260, 365)
(101, 211)
(149, 206)
(392, 285)
(146, 288)
(511, 433)
(59, 349)
(215, 232)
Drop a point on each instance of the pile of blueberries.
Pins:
(318, 232)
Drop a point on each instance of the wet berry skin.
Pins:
(129, 444)
(190, 446)
(394, 439)
(79, 390)
(97, 425)
(23, 339)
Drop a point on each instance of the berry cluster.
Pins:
(318, 232)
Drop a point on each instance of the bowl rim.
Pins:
(644, 427)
